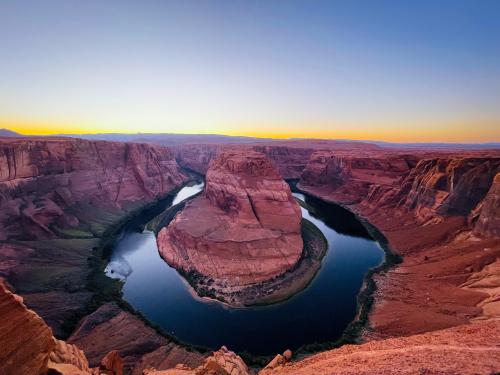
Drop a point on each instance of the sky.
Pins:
(413, 71)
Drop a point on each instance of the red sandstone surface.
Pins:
(468, 349)
(244, 228)
(48, 187)
(58, 196)
(289, 156)
(110, 328)
(25, 340)
(439, 213)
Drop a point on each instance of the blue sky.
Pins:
(393, 70)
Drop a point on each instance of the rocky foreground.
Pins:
(243, 230)
(28, 347)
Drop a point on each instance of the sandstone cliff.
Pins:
(244, 229)
(289, 157)
(439, 212)
(25, 340)
(58, 198)
(51, 188)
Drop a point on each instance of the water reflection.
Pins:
(319, 313)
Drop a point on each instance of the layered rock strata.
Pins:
(439, 214)
(25, 340)
(244, 229)
(59, 197)
(289, 157)
(110, 328)
(51, 188)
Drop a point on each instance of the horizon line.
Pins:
(69, 134)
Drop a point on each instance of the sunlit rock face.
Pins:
(58, 196)
(25, 339)
(440, 212)
(488, 221)
(244, 228)
(51, 186)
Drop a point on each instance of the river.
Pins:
(320, 313)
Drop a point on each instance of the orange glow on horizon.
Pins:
(477, 133)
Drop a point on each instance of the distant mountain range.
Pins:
(438, 145)
(9, 133)
(169, 139)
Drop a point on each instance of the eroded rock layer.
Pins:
(25, 340)
(51, 188)
(440, 214)
(244, 228)
(289, 157)
(58, 198)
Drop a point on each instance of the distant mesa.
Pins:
(9, 133)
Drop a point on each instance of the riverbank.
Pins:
(107, 312)
(365, 299)
(272, 291)
(429, 288)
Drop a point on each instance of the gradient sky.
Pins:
(386, 70)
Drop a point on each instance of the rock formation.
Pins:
(25, 340)
(221, 362)
(289, 157)
(27, 346)
(488, 219)
(69, 359)
(244, 229)
(110, 328)
(51, 188)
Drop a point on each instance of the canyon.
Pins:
(437, 311)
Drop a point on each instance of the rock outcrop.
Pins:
(111, 329)
(488, 220)
(25, 340)
(244, 229)
(448, 186)
(67, 359)
(27, 346)
(221, 362)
